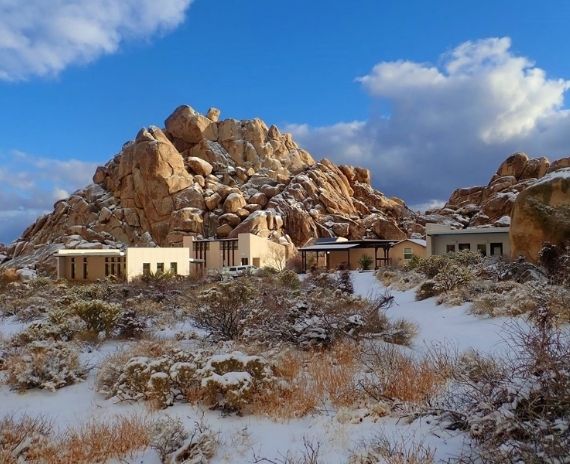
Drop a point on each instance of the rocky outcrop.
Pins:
(541, 214)
(209, 177)
(493, 204)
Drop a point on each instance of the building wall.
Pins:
(136, 257)
(261, 252)
(256, 250)
(397, 252)
(437, 244)
(95, 267)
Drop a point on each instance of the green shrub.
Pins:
(99, 316)
(289, 279)
(365, 262)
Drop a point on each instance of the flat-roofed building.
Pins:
(489, 241)
(196, 257)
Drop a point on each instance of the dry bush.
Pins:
(310, 380)
(175, 444)
(33, 440)
(517, 409)
(386, 451)
(24, 435)
(309, 455)
(514, 299)
(7, 276)
(102, 441)
(395, 376)
(45, 365)
(400, 279)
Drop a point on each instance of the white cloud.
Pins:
(43, 37)
(30, 185)
(449, 125)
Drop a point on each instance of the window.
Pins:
(174, 268)
(450, 248)
(464, 246)
(85, 268)
(106, 267)
(112, 266)
(146, 269)
(244, 261)
(408, 253)
(73, 268)
(482, 248)
(496, 249)
(160, 268)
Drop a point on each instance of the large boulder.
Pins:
(541, 214)
(199, 166)
(191, 127)
(233, 202)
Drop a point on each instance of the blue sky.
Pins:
(70, 90)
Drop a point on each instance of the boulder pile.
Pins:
(207, 177)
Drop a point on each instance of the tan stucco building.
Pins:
(403, 251)
(489, 241)
(196, 257)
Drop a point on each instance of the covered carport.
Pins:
(348, 253)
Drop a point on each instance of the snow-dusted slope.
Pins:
(243, 436)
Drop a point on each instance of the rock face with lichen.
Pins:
(542, 214)
(208, 177)
(493, 203)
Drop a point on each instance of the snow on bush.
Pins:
(162, 379)
(44, 364)
(517, 409)
(231, 380)
(175, 444)
(226, 381)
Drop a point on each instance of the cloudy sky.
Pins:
(428, 95)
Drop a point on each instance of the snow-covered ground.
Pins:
(241, 437)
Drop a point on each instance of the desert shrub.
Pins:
(231, 380)
(32, 440)
(43, 364)
(167, 436)
(225, 381)
(289, 279)
(516, 409)
(98, 315)
(384, 450)
(450, 277)
(224, 308)
(513, 299)
(310, 455)
(130, 324)
(295, 263)
(321, 280)
(8, 276)
(85, 292)
(345, 282)
(23, 437)
(160, 377)
(396, 376)
(426, 290)
(556, 260)
(431, 265)
(365, 262)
